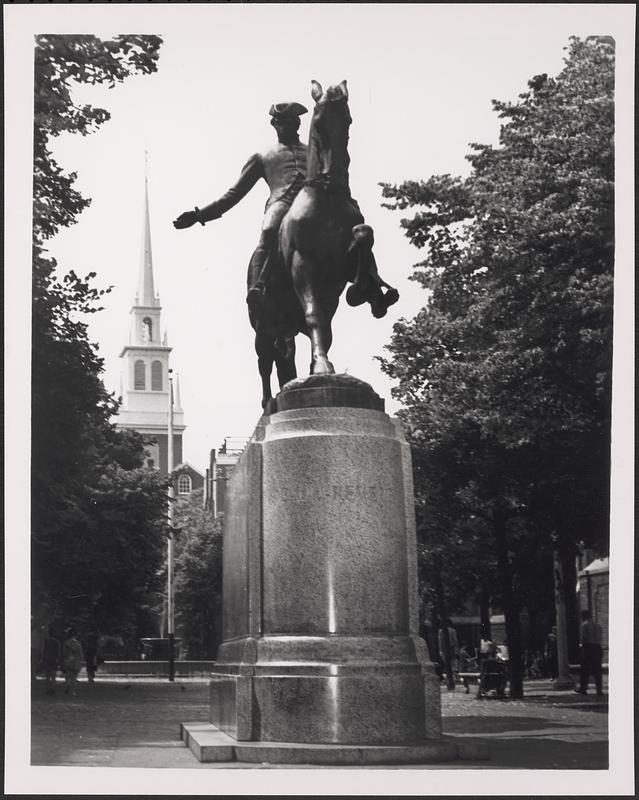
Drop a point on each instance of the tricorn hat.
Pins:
(287, 110)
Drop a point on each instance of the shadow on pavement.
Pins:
(490, 725)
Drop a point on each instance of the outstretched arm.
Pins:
(251, 173)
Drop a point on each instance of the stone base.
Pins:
(210, 745)
(321, 661)
(340, 700)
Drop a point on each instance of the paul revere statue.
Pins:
(283, 167)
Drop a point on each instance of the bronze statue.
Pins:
(283, 167)
(313, 238)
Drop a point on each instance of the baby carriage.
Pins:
(492, 677)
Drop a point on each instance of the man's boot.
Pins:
(255, 297)
(257, 290)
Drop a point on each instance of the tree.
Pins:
(508, 367)
(198, 577)
(89, 559)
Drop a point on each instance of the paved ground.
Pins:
(135, 723)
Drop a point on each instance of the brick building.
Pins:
(221, 464)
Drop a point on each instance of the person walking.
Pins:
(50, 660)
(72, 659)
(449, 648)
(591, 654)
(552, 654)
(91, 656)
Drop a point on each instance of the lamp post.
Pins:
(170, 611)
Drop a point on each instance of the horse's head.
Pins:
(328, 138)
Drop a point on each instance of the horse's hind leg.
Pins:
(264, 347)
(318, 324)
(285, 359)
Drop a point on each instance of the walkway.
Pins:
(135, 723)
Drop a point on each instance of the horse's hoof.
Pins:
(380, 305)
(354, 297)
(391, 297)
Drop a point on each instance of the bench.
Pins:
(467, 678)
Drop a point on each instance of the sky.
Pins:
(421, 79)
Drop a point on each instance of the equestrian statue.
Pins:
(313, 241)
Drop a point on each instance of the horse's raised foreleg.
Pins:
(368, 283)
(318, 323)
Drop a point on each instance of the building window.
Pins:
(147, 330)
(139, 377)
(156, 376)
(184, 484)
(153, 456)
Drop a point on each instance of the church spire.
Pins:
(146, 289)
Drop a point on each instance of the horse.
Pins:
(323, 243)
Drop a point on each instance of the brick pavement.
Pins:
(135, 723)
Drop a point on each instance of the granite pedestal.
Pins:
(321, 658)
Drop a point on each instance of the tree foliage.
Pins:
(505, 375)
(198, 577)
(97, 518)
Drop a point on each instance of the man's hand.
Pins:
(185, 220)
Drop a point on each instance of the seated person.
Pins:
(493, 676)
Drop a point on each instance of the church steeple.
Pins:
(146, 288)
(145, 363)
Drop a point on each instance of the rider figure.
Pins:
(283, 167)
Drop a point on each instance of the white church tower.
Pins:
(145, 367)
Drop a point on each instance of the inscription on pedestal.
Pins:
(308, 492)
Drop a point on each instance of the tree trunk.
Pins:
(572, 610)
(484, 613)
(511, 610)
(443, 616)
(562, 681)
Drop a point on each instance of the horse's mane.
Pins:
(312, 154)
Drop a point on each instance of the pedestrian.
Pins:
(591, 653)
(50, 659)
(493, 675)
(465, 658)
(537, 665)
(453, 645)
(72, 659)
(551, 653)
(485, 647)
(91, 656)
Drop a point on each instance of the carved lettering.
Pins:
(341, 492)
